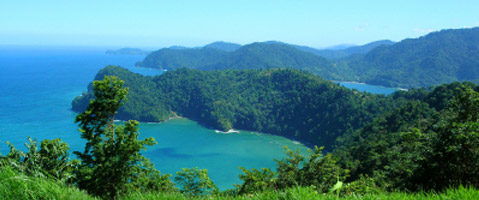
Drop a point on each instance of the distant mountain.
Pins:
(342, 53)
(261, 55)
(340, 46)
(178, 47)
(439, 57)
(128, 51)
(224, 46)
(173, 58)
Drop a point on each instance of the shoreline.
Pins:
(231, 131)
(227, 132)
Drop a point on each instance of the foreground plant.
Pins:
(111, 163)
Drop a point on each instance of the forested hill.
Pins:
(224, 46)
(173, 58)
(343, 53)
(439, 57)
(261, 55)
(285, 102)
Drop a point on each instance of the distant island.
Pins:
(128, 51)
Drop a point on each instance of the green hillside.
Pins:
(224, 46)
(285, 102)
(343, 53)
(437, 58)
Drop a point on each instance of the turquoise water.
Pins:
(38, 84)
(375, 89)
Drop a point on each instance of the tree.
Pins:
(455, 156)
(111, 161)
(194, 182)
(316, 169)
(255, 180)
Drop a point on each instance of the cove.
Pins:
(37, 85)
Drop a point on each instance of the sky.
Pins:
(158, 23)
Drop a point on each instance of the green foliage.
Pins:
(301, 193)
(252, 56)
(344, 53)
(224, 46)
(364, 185)
(284, 102)
(16, 185)
(51, 161)
(111, 162)
(315, 170)
(455, 157)
(256, 180)
(432, 144)
(195, 182)
(437, 58)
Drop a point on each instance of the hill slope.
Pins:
(285, 102)
(439, 57)
(253, 56)
(224, 46)
(343, 53)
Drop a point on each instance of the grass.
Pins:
(308, 193)
(14, 185)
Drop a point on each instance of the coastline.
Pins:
(227, 132)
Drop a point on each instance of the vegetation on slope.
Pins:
(224, 46)
(437, 58)
(15, 185)
(344, 53)
(285, 102)
(253, 56)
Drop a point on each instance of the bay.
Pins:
(37, 85)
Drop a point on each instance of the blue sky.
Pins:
(316, 23)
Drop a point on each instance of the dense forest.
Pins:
(347, 52)
(437, 58)
(258, 55)
(286, 102)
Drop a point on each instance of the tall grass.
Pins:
(14, 185)
(300, 193)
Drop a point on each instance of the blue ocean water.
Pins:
(37, 85)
